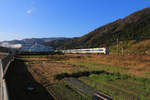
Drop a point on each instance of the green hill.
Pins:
(129, 31)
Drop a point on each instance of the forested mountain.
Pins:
(135, 27)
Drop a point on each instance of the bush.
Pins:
(60, 76)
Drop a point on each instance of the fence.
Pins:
(4, 63)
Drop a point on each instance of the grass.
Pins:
(106, 67)
(122, 77)
(122, 44)
(63, 91)
(137, 65)
(120, 87)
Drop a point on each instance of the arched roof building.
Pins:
(36, 48)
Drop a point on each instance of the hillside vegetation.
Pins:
(129, 31)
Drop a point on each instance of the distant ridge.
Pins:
(33, 40)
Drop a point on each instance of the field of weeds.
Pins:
(120, 87)
(121, 77)
(138, 65)
(44, 69)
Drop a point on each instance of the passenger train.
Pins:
(89, 50)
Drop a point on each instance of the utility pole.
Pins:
(122, 51)
(117, 47)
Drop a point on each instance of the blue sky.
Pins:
(60, 18)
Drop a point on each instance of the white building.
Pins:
(36, 48)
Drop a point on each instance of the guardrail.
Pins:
(4, 63)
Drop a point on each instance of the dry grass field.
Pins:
(134, 70)
(138, 65)
(50, 65)
(2, 54)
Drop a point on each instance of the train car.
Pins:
(88, 50)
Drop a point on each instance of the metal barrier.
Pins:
(4, 63)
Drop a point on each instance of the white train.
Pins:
(89, 50)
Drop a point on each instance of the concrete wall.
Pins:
(4, 63)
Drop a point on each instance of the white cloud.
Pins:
(30, 11)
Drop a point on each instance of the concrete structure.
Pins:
(4, 63)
